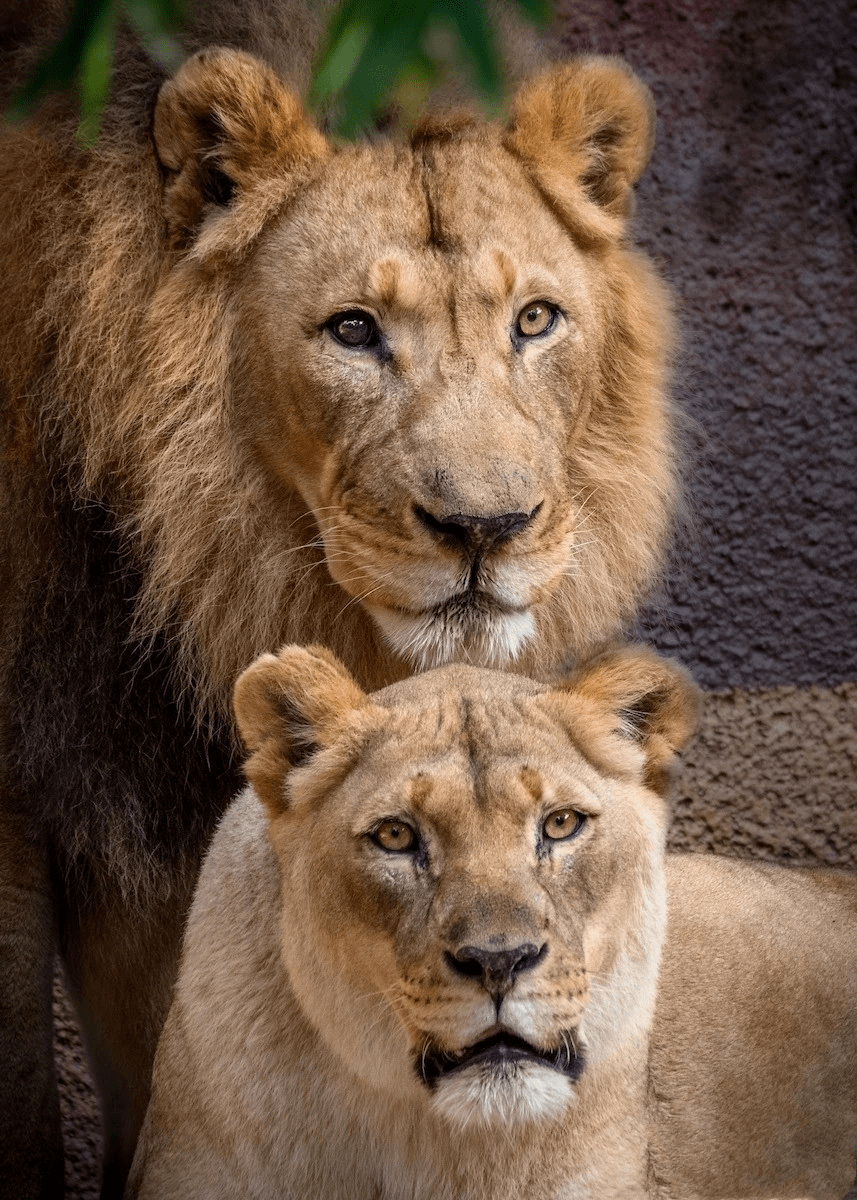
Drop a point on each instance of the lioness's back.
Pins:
(756, 1026)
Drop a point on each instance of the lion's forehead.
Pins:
(435, 219)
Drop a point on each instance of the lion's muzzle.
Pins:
(475, 534)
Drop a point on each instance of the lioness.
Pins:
(437, 951)
(408, 399)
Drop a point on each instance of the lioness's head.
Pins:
(471, 864)
(447, 350)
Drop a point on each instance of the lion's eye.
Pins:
(564, 823)
(354, 328)
(535, 319)
(394, 835)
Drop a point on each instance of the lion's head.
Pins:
(472, 866)
(433, 371)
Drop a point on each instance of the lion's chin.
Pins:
(511, 1093)
(478, 633)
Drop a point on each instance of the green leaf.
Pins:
(538, 11)
(374, 47)
(155, 22)
(172, 13)
(370, 48)
(344, 15)
(84, 54)
(96, 67)
(337, 65)
(470, 20)
(61, 64)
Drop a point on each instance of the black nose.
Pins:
(475, 534)
(495, 969)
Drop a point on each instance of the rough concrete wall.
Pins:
(770, 774)
(751, 207)
(81, 1114)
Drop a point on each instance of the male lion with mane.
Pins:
(437, 952)
(403, 398)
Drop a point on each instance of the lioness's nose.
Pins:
(476, 534)
(496, 969)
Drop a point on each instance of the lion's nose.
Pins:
(496, 969)
(475, 534)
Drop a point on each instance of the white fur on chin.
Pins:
(428, 640)
(520, 1093)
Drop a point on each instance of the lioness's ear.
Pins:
(645, 699)
(287, 706)
(226, 128)
(585, 131)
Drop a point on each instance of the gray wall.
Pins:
(751, 205)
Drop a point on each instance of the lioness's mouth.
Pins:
(500, 1049)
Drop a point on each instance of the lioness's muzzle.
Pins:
(500, 1049)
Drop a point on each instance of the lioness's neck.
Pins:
(410, 1151)
(423, 1155)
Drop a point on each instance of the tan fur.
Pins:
(178, 417)
(713, 1002)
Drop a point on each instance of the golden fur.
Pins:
(326, 974)
(241, 462)
(195, 469)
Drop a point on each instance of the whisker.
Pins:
(370, 591)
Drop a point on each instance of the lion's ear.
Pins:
(585, 130)
(288, 706)
(226, 128)
(642, 699)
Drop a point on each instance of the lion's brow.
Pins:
(430, 180)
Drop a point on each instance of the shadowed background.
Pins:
(750, 206)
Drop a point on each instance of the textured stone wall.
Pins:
(751, 207)
(771, 775)
(750, 204)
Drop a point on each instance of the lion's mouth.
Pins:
(466, 627)
(475, 605)
(499, 1050)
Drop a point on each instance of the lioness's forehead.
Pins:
(473, 739)
(457, 687)
(479, 719)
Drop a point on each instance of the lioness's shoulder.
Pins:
(760, 956)
(236, 895)
(748, 889)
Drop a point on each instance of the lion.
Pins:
(404, 398)
(437, 951)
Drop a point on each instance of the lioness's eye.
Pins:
(394, 835)
(535, 319)
(354, 329)
(564, 823)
